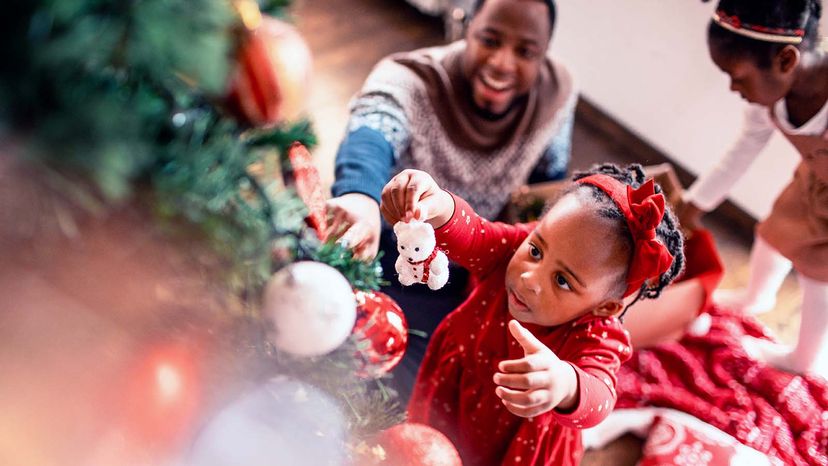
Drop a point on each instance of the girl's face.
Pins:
(571, 265)
(506, 46)
(757, 85)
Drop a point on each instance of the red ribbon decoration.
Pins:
(255, 95)
(305, 178)
(643, 209)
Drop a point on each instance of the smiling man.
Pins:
(505, 51)
(483, 115)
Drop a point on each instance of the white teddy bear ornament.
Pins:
(420, 260)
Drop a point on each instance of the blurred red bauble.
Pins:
(272, 76)
(411, 444)
(381, 333)
(161, 396)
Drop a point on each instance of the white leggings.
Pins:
(768, 269)
(811, 349)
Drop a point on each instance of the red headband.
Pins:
(643, 209)
(764, 33)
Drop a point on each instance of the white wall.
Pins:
(645, 63)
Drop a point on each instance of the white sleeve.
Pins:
(713, 187)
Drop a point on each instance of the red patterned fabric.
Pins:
(670, 443)
(454, 391)
(710, 377)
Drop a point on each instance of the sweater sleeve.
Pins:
(363, 164)
(377, 134)
(598, 347)
(476, 243)
(554, 162)
(712, 188)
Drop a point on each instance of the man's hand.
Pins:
(538, 382)
(354, 219)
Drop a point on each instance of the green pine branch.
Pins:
(126, 95)
(363, 275)
(369, 404)
(277, 8)
(281, 137)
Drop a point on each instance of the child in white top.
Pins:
(771, 51)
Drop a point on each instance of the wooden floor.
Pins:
(347, 37)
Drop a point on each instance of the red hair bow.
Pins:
(643, 209)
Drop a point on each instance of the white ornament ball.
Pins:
(312, 308)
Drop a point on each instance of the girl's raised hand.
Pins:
(413, 194)
(537, 382)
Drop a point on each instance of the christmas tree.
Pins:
(169, 293)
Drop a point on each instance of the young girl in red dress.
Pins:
(530, 357)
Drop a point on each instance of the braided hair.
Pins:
(784, 14)
(550, 6)
(668, 231)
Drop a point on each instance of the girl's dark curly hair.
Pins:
(668, 231)
(785, 14)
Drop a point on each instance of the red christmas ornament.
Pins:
(161, 395)
(411, 444)
(272, 75)
(305, 178)
(381, 333)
